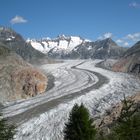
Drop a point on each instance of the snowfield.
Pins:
(43, 117)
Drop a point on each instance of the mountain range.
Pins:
(75, 47)
(62, 47)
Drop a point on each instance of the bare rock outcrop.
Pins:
(18, 79)
(111, 115)
(130, 62)
(28, 81)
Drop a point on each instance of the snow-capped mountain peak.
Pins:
(73, 47)
(61, 43)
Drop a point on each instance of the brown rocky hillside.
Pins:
(130, 62)
(106, 122)
(18, 79)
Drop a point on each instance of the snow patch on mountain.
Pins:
(37, 46)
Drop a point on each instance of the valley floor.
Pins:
(76, 81)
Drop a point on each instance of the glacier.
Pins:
(44, 116)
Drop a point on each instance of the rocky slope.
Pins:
(18, 79)
(15, 42)
(130, 62)
(76, 47)
(101, 49)
(106, 122)
(107, 63)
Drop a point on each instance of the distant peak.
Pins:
(62, 36)
(6, 29)
(46, 38)
(109, 40)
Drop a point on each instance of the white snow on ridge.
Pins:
(61, 43)
(37, 46)
(10, 38)
(52, 44)
(89, 48)
(49, 125)
(75, 41)
(87, 40)
(46, 47)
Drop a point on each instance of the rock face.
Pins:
(130, 62)
(107, 64)
(18, 79)
(73, 47)
(28, 81)
(101, 49)
(111, 116)
(16, 43)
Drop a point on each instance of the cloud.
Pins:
(18, 19)
(119, 41)
(133, 37)
(134, 5)
(106, 35)
(122, 42)
(129, 39)
(125, 44)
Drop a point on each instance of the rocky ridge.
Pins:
(106, 121)
(16, 43)
(73, 47)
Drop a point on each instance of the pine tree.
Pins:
(128, 125)
(6, 131)
(79, 125)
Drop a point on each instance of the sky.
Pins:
(90, 19)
